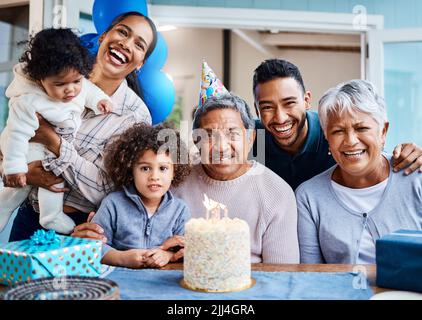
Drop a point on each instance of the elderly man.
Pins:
(224, 132)
(295, 147)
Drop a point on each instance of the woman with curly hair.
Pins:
(50, 80)
(142, 214)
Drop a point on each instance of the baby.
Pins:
(50, 80)
(143, 217)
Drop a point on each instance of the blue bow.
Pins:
(42, 237)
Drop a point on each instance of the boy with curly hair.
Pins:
(142, 215)
(50, 80)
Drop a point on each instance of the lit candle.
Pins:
(214, 208)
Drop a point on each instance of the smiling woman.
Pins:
(126, 44)
(366, 199)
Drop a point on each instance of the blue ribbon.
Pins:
(42, 237)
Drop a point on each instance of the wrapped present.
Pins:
(399, 260)
(47, 254)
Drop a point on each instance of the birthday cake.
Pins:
(217, 255)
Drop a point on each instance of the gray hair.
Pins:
(226, 101)
(354, 95)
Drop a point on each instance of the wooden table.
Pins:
(370, 270)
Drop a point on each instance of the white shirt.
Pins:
(26, 99)
(362, 200)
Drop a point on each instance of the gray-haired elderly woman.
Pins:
(344, 210)
(249, 190)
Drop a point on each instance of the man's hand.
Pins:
(38, 177)
(175, 241)
(157, 258)
(409, 156)
(17, 180)
(89, 230)
(177, 255)
(105, 106)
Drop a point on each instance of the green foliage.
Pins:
(173, 120)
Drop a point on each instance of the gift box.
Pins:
(399, 260)
(47, 254)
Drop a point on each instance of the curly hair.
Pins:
(123, 153)
(52, 51)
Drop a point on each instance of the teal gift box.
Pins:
(47, 254)
(399, 260)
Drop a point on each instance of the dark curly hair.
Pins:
(52, 51)
(123, 153)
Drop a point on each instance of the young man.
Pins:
(295, 146)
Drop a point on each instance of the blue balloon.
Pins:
(158, 57)
(105, 11)
(90, 41)
(159, 94)
(88, 36)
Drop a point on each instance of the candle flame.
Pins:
(214, 208)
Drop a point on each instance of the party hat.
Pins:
(211, 86)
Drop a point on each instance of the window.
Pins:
(14, 26)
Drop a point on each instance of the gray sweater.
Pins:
(261, 198)
(126, 224)
(330, 232)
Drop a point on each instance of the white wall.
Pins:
(320, 69)
(187, 47)
(244, 60)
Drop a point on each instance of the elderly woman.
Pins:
(344, 210)
(249, 190)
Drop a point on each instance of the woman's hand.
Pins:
(89, 230)
(407, 155)
(38, 177)
(46, 135)
(157, 258)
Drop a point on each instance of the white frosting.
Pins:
(217, 254)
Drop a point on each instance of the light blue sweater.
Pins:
(330, 232)
(126, 224)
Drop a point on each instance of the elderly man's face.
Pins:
(224, 153)
(356, 142)
(282, 108)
